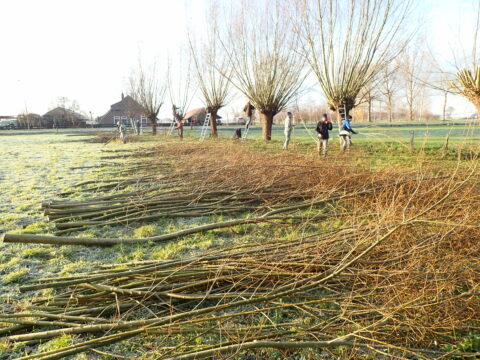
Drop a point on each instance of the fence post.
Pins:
(412, 138)
(445, 145)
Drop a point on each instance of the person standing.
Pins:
(248, 110)
(179, 127)
(55, 125)
(137, 126)
(288, 129)
(323, 128)
(346, 132)
(238, 134)
(121, 131)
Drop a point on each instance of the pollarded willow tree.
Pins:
(148, 88)
(467, 84)
(266, 65)
(348, 42)
(212, 70)
(180, 84)
(466, 81)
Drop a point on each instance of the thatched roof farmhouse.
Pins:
(64, 118)
(197, 116)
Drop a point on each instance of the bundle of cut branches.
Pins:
(402, 283)
(205, 180)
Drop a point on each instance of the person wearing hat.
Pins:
(288, 129)
(323, 127)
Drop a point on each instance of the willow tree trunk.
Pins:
(213, 123)
(390, 111)
(339, 119)
(154, 126)
(410, 112)
(445, 106)
(267, 123)
(369, 111)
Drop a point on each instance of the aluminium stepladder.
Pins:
(170, 129)
(247, 127)
(342, 109)
(205, 126)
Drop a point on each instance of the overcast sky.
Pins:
(86, 49)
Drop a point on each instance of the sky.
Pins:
(85, 50)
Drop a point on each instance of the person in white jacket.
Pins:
(288, 129)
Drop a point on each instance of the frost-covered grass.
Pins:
(36, 167)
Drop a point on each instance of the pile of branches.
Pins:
(398, 278)
(187, 180)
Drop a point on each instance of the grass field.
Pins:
(35, 166)
(432, 135)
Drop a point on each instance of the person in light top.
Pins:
(346, 132)
(179, 127)
(288, 129)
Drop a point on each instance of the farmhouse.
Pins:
(64, 118)
(197, 116)
(124, 111)
(31, 120)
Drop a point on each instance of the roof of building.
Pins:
(59, 111)
(194, 112)
(197, 112)
(126, 102)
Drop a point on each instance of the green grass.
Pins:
(370, 133)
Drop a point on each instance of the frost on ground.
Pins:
(35, 167)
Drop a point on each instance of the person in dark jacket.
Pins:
(323, 127)
(238, 134)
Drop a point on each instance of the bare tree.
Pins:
(414, 77)
(347, 43)
(444, 107)
(212, 70)
(389, 86)
(266, 65)
(370, 93)
(449, 112)
(180, 84)
(466, 82)
(148, 88)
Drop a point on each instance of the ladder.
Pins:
(342, 109)
(170, 129)
(205, 127)
(247, 127)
